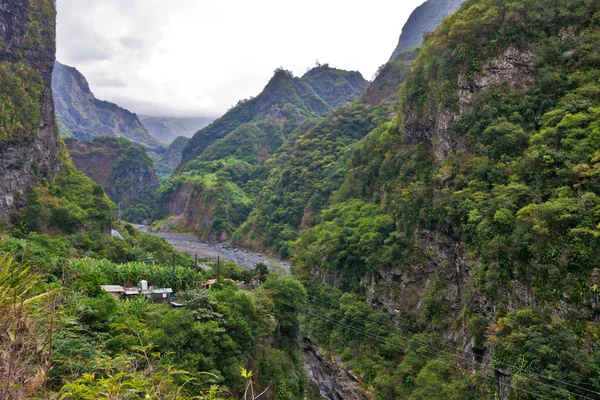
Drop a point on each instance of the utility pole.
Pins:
(196, 262)
(218, 269)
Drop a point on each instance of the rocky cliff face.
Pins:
(29, 144)
(334, 380)
(433, 124)
(424, 19)
(124, 171)
(80, 114)
(172, 156)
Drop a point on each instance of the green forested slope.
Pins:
(472, 217)
(225, 165)
(300, 96)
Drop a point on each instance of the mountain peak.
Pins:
(424, 18)
(81, 114)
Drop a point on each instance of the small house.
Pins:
(162, 295)
(115, 291)
(131, 292)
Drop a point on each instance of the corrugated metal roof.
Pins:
(113, 288)
(162, 290)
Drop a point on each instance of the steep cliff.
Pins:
(167, 129)
(124, 171)
(423, 19)
(30, 149)
(172, 157)
(469, 218)
(80, 114)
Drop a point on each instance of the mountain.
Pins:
(424, 19)
(125, 172)
(300, 95)
(172, 156)
(224, 165)
(307, 171)
(167, 129)
(83, 116)
(467, 227)
(30, 149)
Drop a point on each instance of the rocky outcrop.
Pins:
(172, 156)
(335, 382)
(125, 172)
(432, 125)
(424, 19)
(81, 114)
(29, 144)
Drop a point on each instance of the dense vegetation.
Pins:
(77, 342)
(300, 95)
(20, 91)
(226, 164)
(516, 195)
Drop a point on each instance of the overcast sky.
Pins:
(199, 57)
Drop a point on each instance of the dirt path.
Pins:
(205, 250)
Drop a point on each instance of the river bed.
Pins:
(190, 244)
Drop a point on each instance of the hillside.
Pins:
(469, 220)
(423, 19)
(81, 115)
(306, 171)
(212, 194)
(124, 171)
(300, 95)
(167, 129)
(30, 149)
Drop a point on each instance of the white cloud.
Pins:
(190, 58)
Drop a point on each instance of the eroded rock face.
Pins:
(335, 382)
(514, 67)
(433, 125)
(28, 157)
(130, 182)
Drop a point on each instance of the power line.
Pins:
(439, 350)
(500, 363)
(381, 339)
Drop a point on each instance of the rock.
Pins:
(29, 156)
(80, 113)
(335, 381)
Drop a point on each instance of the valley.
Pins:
(430, 234)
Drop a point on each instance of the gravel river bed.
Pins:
(210, 251)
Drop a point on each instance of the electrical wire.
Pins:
(381, 339)
(503, 364)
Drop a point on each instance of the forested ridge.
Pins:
(470, 218)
